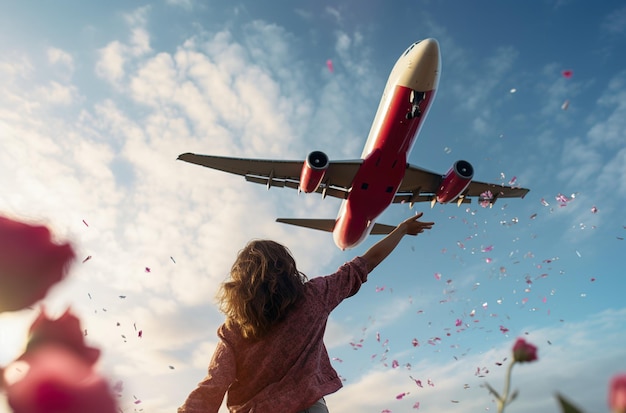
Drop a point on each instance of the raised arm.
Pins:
(379, 251)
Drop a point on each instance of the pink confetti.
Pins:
(565, 105)
(395, 364)
(458, 322)
(488, 248)
(437, 276)
(118, 387)
(401, 396)
(415, 342)
(140, 334)
(416, 405)
(567, 74)
(544, 202)
(430, 383)
(329, 65)
(337, 359)
(594, 209)
(504, 330)
(379, 289)
(488, 260)
(487, 195)
(417, 382)
(85, 222)
(148, 269)
(512, 181)
(87, 259)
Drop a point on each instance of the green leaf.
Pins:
(566, 406)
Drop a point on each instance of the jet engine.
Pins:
(455, 181)
(313, 171)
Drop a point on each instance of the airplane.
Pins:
(382, 176)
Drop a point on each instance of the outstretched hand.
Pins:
(380, 250)
(413, 226)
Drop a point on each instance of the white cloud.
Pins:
(60, 57)
(115, 56)
(571, 365)
(111, 62)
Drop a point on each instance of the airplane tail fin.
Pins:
(320, 224)
(329, 224)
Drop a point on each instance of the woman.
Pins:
(271, 355)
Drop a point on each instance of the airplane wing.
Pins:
(337, 180)
(421, 185)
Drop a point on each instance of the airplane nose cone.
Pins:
(422, 65)
(427, 48)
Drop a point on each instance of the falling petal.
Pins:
(567, 74)
(329, 65)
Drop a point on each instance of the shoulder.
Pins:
(343, 283)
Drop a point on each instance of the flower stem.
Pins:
(502, 400)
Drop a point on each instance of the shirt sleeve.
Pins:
(342, 284)
(208, 396)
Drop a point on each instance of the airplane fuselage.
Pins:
(407, 97)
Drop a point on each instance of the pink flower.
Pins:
(65, 331)
(523, 351)
(56, 373)
(617, 393)
(30, 263)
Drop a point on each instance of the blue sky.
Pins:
(97, 101)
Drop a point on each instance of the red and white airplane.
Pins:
(382, 176)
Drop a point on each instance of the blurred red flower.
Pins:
(523, 351)
(617, 393)
(56, 373)
(30, 263)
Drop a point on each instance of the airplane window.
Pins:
(390, 189)
(364, 185)
(409, 49)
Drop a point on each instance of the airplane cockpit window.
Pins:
(410, 47)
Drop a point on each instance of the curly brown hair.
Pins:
(264, 282)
